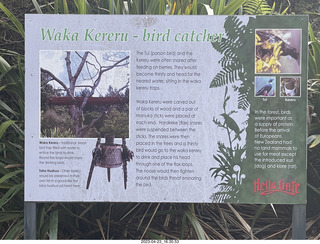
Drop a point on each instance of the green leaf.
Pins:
(10, 194)
(81, 6)
(222, 5)
(205, 9)
(314, 188)
(4, 126)
(111, 7)
(196, 225)
(14, 20)
(258, 213)
(285, 11)
(195, 222)
(37, 6)
(316, 53)
(4, 106)
(119, 7)
(53, 230)
(65, 7)
(3, 170)
(311, 139)
(5, 70)
(183, 225)
(15, 231)
(56, 6)
(232, 7)
(315, 142)
(254, 7)
(162, 7)
(194, 7)
(9, 215)
(48, 7)
(17, 128)
(41, 211)
(9, 175)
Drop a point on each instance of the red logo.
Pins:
(269, 187)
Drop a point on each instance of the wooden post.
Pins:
(30, 220)
(299, 222)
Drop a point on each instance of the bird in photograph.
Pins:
(290, 88)
(266, 49)
(265, 89)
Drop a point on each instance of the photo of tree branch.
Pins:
(84, 93)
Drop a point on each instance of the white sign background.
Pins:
(172, 133)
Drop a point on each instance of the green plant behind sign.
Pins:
(94, 220)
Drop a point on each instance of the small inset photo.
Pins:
(265, 86)
(278, 51)
(290, 86)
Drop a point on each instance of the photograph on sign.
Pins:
(73, 103)
(290, 86)
(265, 86)
(278, 51)
(163, 109)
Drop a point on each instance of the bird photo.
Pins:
(290, 86)
(265, 86)
(278, 51)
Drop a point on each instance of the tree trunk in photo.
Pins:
(77, 115)
(76, 109)
(76, 112)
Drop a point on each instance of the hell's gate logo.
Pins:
(269, 187)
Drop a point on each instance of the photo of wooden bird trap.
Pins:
(109, 155)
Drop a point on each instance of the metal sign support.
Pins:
(299, 222)
(30, 220)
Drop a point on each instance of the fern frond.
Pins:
(219, 80)
(243, 101)
(257, 7)
(234, 62)
(225, 61)
(228, 74)
(244, 90)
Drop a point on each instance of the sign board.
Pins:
(166, 108)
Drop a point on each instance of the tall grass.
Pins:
(11, 136)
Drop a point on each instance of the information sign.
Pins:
(166, 108)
